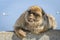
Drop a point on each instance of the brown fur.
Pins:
(34, 20)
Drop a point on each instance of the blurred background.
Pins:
(10, 10)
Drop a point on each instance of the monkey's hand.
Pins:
(22, 33)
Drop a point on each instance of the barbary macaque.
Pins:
(34, 20)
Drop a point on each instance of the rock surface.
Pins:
(49, 35)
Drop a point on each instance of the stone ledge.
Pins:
(49, 35)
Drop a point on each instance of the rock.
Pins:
(48, 35)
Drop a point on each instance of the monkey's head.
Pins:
(34, 15)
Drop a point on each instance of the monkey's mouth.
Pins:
(31, 20)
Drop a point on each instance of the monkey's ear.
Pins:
(29, 11)
(43, 13)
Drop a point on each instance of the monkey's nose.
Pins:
(30, 19)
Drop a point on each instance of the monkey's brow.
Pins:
(35, 13)
(31, 11)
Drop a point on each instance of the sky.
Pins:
(10, 10)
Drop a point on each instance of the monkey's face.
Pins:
(34, 17)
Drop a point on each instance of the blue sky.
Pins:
(10, 10)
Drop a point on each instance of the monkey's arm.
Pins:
(18, 25)
(19, 32)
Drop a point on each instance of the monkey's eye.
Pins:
(30, 13)
(37, 15)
